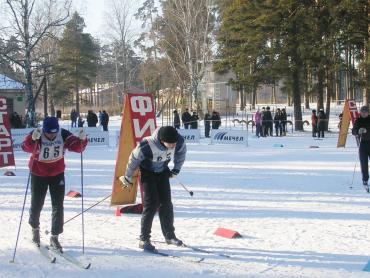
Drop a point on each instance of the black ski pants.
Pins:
(39, 188)
(364, 152)
(157, 196)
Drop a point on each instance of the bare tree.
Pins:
(185, 37)
(30, 22)
(119, 18)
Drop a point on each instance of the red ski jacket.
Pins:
(47, 159)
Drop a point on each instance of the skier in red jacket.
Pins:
(46, 165)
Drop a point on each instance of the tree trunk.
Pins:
(366, 74)
(241, 98)
(254, 95)
(298, 124)
(46, 97)
(329, 94)
(320, 88)
(27, 68)
(77, 100)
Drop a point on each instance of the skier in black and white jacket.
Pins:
(152, 155)
(361, 128)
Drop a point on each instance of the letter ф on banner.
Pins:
(350, 113)
(6, 144)
(138, 121)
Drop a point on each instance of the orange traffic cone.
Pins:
(118, 211)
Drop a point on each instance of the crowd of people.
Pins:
(265, 123)
(92, 119)
(318, 123)
(190, 121)
(16, 120)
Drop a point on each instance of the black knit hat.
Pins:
(168, 134)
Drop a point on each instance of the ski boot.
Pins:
(146, 245)
(36, 236)
(54, 243)
(174, 241)
(366, 186)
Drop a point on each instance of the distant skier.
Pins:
(314, 123)
(321, 123)
(277, 121)
(47, 147)
(361, 128)
(152, 156)
(284, 118)
(269, 122)
(207, 124)
(258, 123)
(194, 120)
(176, 119)
(216, 120)
(186, 118)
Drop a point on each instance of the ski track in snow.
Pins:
(292, 205)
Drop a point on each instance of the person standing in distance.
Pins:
(152, 156)
(361, 128)
(47, 146)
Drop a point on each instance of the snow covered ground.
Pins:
(292, 205)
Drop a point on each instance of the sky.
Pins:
(94, 13)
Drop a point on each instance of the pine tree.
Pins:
(77, 63)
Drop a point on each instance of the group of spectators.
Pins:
(318, 122)
(191, 120)
(16, 120)
(92, 119)
(265, 123)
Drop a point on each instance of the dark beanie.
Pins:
(168, 134)
(50, 125)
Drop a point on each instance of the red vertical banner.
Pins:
(138, 121)
(353, 111)
(350, 113)
(142, 116)
(6, 144)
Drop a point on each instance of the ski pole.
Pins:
(354, 169)
(183, 186)
(82, 203)
(77, 215)
(20, 221)
(24, 203)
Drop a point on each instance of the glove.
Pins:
(36, 134)
(362, 130)
(82, 134)
(126, 182)
(174, 173)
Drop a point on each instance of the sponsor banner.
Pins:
(353, 111)
(100, 138)
(350, 114)
(18, 136)
(95, 137)
(142, 115)
(6, 148)
(190, 135)
(138, 121)
(75, 130)
(219, 136)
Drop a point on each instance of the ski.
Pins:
(164, 254)
(205, 251)
(200, 250)
(70, 258)
(45, 253)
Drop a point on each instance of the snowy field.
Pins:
(292, 205)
